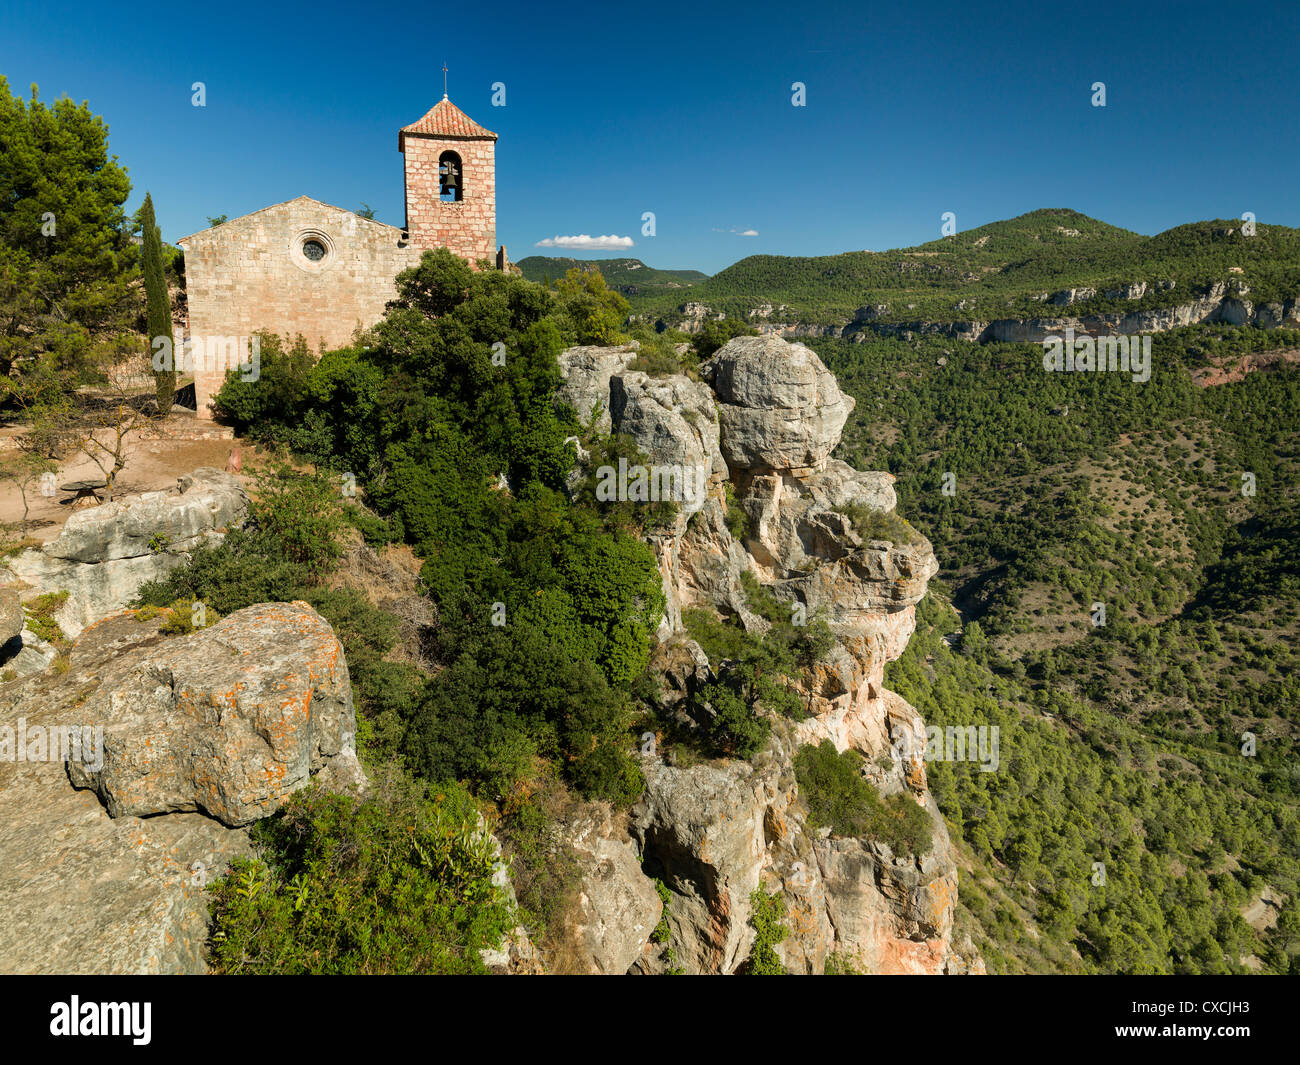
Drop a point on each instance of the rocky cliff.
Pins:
(1221, 301)
(127, 780)
(761, 423)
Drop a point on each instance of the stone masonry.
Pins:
(305, 267)
(467, 227)
(251, 273)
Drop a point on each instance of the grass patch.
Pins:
(839, 797)
(40, 617)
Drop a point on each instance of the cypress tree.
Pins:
(158, 307)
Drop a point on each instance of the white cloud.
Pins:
(583, 242)
(737, 231)
(749, 233)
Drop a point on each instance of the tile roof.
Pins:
(445, 119)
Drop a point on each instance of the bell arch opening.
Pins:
(451, 178)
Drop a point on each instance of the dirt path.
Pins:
(152, 464)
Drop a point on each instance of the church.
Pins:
(305, 267)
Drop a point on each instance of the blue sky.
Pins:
(684, 109)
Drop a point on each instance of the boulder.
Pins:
(227, 721)
(175, 521)
(779, 407)
(104, 554)
(85, 892)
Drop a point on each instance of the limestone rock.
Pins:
(104, 554)
(682, 668)
(177, 520)
(26, 654)
(674, 421)
(12, 618)
(228, 721)
(587, 371)
(892, 914)
(85, 892)
(515, 955)
(701, 829)
(780, 408)
(618, 906)
(822, 537)
(715, 832)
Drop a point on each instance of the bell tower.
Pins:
(451, 197)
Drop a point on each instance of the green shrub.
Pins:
(268, 408)
(766, 918)
(714, 334)
(739, 523)
(841, 964)
(838, 796)
(398, 883)
(182, 619)
(40, 617)
(872, 524)
(754, 671)
(593, 312)
(300, 515)
(244, 569)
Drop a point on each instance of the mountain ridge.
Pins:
(626, 275)
(1018, 268)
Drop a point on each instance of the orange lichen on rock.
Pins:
(287, 715)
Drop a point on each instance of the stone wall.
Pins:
(251, 273)
(467, 228)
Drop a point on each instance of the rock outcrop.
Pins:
(821, 536)
(780, 408)
(104, 554)
(674, 421)
(1215, 302)
(586, 372)
(617, 906)
(227, 721)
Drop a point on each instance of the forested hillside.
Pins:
(1161, 743)
(1005, 269)
(631, 277)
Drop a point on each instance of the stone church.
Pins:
(306, 267)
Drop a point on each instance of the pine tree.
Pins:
(158, 307)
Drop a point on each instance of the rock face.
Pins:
(228, 721)
(779, 406)
(823, 537)
(617, 906)
(105, 553)
(12, 618)
(91, 890)
(1214, 303)
(586, 372)
(674, 420)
